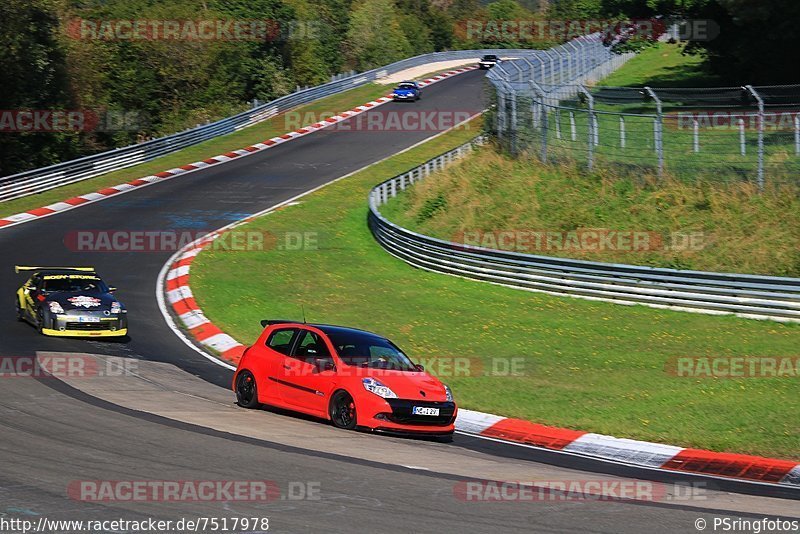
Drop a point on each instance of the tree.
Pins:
(33, 76)
(374, 35)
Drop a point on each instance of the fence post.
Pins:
(797, 134)
(695, 136)
(760, 101)
(742, 143)
(500, 116)
(592, 125)
(513, 130)
(573, 70)
(558, 123)
(621, 131)
(659, 130)
(539, 93)
(572, 127)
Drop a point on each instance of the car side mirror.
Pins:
(324, 364)
(111, 289)
(420, 367)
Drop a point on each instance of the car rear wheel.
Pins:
(343, 411)
(246, 390)
(18, 309)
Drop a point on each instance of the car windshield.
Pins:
(361, 349)
(490, 58)
(74, 284)
(406, 86)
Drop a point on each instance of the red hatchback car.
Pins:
(351, 377)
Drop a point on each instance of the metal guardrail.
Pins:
(43, 179)
(753, 296)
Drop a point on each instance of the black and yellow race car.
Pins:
(70, 301)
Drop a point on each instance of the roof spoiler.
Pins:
(23, 268)
(268, 322)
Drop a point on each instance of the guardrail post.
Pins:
(658, 130)
(592, 125)
(760, 101)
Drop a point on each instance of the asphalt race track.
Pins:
(165, 424)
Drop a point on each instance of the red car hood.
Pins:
(410, 385)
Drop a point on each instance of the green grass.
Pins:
(275, 126)
(663, 65)
(587, 365)
(740, 230)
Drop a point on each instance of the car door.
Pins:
(308, 373)
(277, 349)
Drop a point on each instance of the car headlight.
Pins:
(448, 394)
(378, 388)
(116, 307)
(55, 307)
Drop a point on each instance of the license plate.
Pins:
(424, 410)
(88, 319)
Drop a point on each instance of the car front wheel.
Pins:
(343, 411)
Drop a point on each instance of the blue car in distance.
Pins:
(407, 91)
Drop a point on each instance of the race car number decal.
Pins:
(84, 301)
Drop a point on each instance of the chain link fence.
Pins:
(723, 133)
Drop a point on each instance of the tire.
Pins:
(18, 309)
(247, 390)
(342, 411)
(40, 321)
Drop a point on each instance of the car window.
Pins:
(311, 347)
(74, 284)
(367, 350)
(281, 340)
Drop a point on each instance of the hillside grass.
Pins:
(663, 65)
(585, 365)
(704, 226)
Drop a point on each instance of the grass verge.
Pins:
(663, 65)
(704, 226)
(584, 365)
